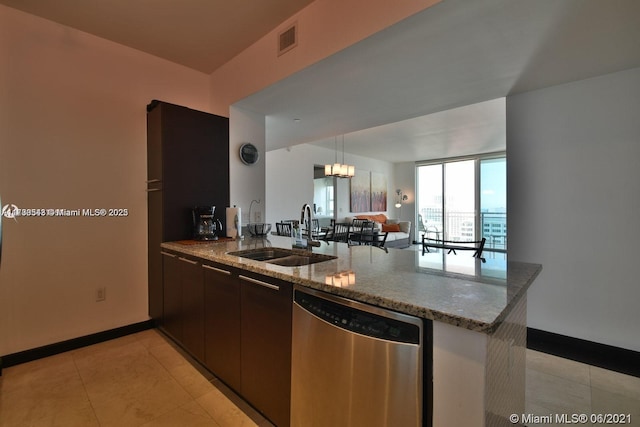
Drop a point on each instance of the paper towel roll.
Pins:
(234, 222)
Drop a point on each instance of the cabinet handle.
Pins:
(151, 181)
(167, 254)
(188, 260)
(261, 283)
(219, 270)
(149, 190)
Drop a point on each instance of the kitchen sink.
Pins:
(284, 257)
(295, 260)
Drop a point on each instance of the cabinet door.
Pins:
(192, 307)
(154, 224)
(172, 295)
(195, 166)
(266, 346)
(222, 323)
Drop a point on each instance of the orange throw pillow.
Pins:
(381, 218)
(390, 227)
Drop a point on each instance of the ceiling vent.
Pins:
(288, 39)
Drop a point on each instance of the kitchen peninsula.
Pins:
(478, 312)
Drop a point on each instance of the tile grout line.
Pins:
(193, 399)
(148, 350)
(84, 387)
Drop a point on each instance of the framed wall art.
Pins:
(378, 192)
(360, 191)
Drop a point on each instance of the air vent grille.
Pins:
(288, 39)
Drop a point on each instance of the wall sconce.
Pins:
(401, 198)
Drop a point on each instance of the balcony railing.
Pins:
(460, 226)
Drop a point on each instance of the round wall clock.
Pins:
(249, 154)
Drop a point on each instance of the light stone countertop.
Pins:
(456, 289)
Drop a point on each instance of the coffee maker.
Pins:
(205, 225)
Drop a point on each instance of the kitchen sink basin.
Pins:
(295, 260)
(285, 257)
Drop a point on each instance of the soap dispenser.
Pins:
(296, 236)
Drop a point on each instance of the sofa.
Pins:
(399, 231)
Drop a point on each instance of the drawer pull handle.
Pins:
(261, 283)
(219, 270)
(149, 190)
(151, 181)
(167, 254)
(188, 260)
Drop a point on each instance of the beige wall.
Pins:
(73, 135)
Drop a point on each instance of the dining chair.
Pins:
(357, 223)
(363, 232)
(283, 228)
(340, 232)
(380, 239)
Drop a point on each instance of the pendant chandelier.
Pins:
(339, 170)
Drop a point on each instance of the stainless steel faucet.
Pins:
(306, 208)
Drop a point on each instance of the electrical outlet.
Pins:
(258, 216)
(101, 294)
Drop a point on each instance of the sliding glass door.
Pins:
(493, 202)
(430, 200)
(463, 200)
(459, 201)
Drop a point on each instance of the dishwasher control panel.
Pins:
(358, 321)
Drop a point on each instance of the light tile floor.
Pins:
(562, 386)
(137, 380)
(143, 380)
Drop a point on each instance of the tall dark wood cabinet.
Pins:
(187, 166)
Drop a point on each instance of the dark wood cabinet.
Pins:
(222, 323)
(187, 166)
(172, 298)
(237, 323)
(183, 302)
(193, 307)
(266, 345)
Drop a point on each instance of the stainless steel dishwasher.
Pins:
(357, 365)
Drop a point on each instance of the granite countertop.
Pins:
(454, 289)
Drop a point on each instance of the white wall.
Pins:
(73, 135)
(247, 182)
(324, 28)
(573, 180)
(405, 178)
(289, 180)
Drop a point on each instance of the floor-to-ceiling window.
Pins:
(493, 202)
(464, 199)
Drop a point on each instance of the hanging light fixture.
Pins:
(339, 170)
